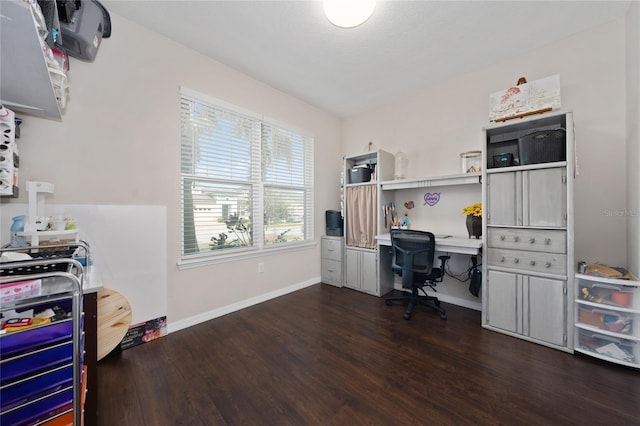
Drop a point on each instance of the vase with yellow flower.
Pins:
(474, 219)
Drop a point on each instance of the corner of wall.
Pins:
(632, 25)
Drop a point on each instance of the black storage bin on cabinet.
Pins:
(334, 222)
(360, 174)
(545, 146)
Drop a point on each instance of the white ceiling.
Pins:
(405, 46)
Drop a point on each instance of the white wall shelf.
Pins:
(25, 82)
(449, 180)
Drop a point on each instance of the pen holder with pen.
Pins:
(396, 224)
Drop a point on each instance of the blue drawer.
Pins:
(38, 410)
(22, 366)
(27, 340)
(34, 387)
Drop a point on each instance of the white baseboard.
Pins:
(460, 302)
(206, 316)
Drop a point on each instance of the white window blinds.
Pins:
(287, 174)
(246, 184)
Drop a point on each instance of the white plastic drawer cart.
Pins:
(608, 319)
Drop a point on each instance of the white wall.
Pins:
(633, 137)
(118, 144)
(435, 125)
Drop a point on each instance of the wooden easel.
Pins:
(540, 111)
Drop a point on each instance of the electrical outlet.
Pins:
(261, 267)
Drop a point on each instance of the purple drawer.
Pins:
(27, 340)
(38, 410)
(27, 390)
(24, 365)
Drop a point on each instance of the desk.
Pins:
(460, 245)
(453, 245)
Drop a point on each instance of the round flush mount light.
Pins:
(348, 13)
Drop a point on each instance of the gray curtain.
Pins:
(362, 216)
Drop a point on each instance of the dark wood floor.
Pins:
(333, 356)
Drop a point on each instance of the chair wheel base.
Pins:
(413, 300)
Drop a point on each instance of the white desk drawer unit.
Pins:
(332, 263)
(528, 261)
(332, 248)
(543, 240)
(608, 319)
(332, 272)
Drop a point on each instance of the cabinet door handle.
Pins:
(516, 260)
(548, 264)
(532, 240)
(533, 262)
(516, 239)
(502, 259)
(547, 240)
(502, 237)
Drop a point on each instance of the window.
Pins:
(247, 183)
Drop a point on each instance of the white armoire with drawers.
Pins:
(527, 193)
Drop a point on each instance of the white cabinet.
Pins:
(608, 319)
(331, 272)
(364, 198)
(528, 198)
(362, 270)
(528, 228)
(527, 305)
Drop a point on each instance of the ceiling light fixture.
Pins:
(348, 13)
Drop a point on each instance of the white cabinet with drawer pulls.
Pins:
(528, 229)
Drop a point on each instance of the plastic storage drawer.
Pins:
(608, 319)
(31, 339)
(23, 391)
(31, 413)
(608, 347)
(615, 295)
(34, 362)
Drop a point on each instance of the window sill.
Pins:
(245, 254)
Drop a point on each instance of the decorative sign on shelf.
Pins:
(525, 99)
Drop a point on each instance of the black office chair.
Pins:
(413, 255)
